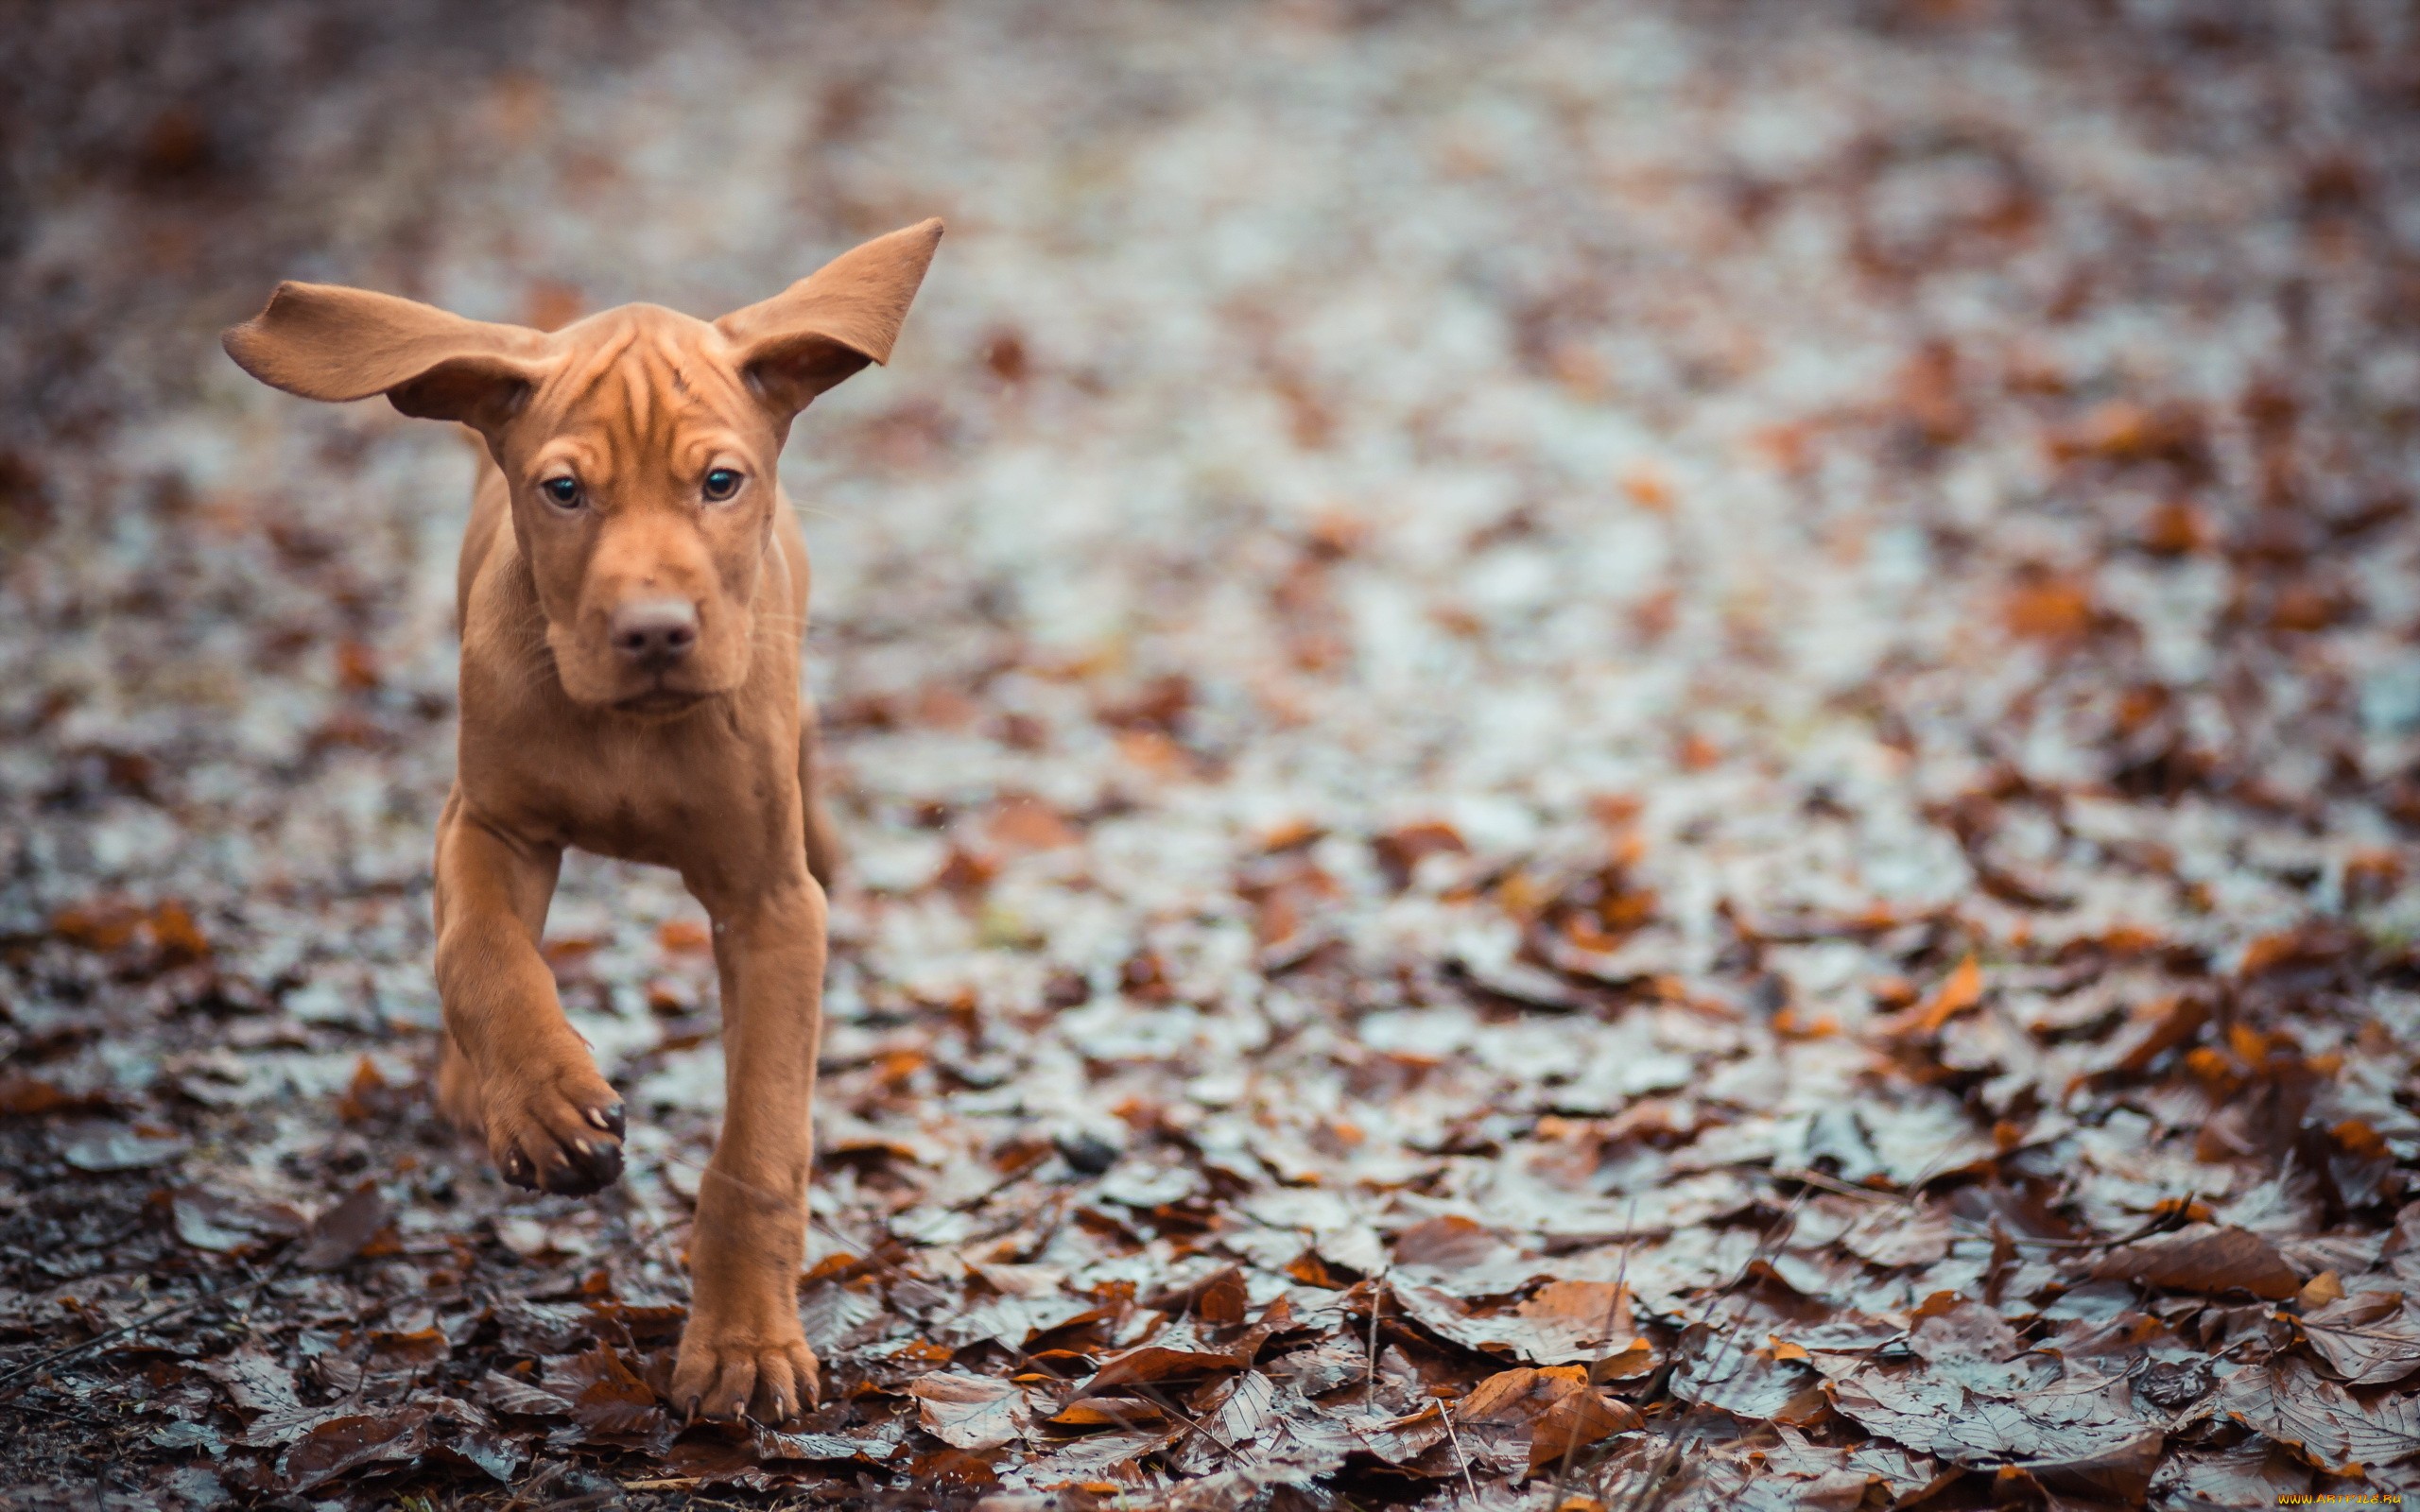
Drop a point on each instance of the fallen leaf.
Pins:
(971, 1412)
(2338, 1433)
(1401, 851)
(255, 1380)
(1602, 1309)
(106, 1147)
(608, 1398)
(346, 1231)
(1576, 1420)
(1154, 1363)
(1962, 989)
(345, 1444)
(230, 1225)
(2203, 1257)
(2359, 1338)
(1447, 1243)
(1099, 1412)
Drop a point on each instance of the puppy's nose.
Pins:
(655, 632)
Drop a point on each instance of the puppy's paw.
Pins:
(728, 1373)
(548, 1128)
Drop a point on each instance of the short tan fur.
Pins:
(633, 594)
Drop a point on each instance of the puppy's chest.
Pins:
(634, 823)
(640, 801)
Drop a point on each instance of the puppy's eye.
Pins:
(722, 484)
(563, 491)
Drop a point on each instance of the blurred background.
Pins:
(1517, 402)
(1353, 468)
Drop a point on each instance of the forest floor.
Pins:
(1656, 753)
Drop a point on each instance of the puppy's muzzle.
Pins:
(654, 634)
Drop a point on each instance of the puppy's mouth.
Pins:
(660, 701)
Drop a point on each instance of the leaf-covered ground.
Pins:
(1662, 753)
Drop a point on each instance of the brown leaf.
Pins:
(1232, 1416)
(2051, 608)
(2312, 945)
(346, 1229)
(774, 1444)
(2173, 1023)
(348, 1443)
(1625, 1365)
(256, 1381)
(1401, 851)
(1518, 1395)
(1448, 1243)
(1223, 1298)
(1576, 1420)
(514, 1395)
(230, 1225)
(1401, 1440)
(608, 1398)
(1894, 1237)
(404, 1352)
(1962, 989)
(106, 925)
(2204, 1259)
(460, 1432)
(1121, 1411)
(952, 1470)
(1934, 1416)
(1096, 1456)
(2295, 1405)
(2121, 1474)
(2356, 1339)
(2254, 1473)
(22, 1096)
(2124, 430)
(971, 1412)
(367, 1096)
(106, 1147)
(1153, 1362)
(1961, 1329)
(1540, 1340)
(715, 1462)
(179, 938)
(2320, 1290)
(1602, 1308)
(2175, 528)
(1025, 824)
(1749, 1384)
(1220, 1298)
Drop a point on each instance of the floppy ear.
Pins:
(834, 322)
(324, 342)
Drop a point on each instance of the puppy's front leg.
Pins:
(743, 1351)
(513, 1070)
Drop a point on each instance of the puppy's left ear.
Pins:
(337, 344)
(834, 322)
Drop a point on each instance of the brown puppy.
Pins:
(632, 596)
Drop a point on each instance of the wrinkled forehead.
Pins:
(640, 386)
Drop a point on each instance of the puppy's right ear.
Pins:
(325, 342)
(834, 322)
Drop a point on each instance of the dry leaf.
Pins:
(971, 1412)
(2203, 1257)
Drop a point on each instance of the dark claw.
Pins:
(579, 1175)
(515, 1169)
(612, 1120)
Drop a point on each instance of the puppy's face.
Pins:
(642, 470)
(639, 445)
